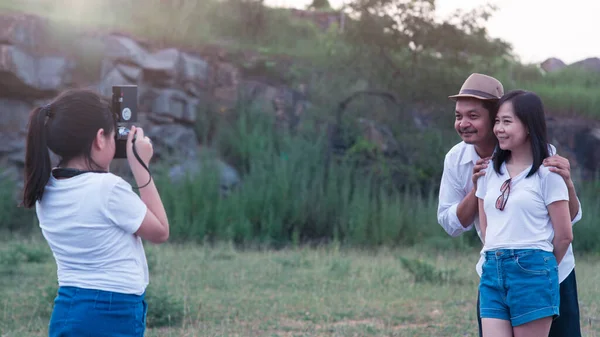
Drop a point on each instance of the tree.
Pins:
(414, 43)
(413, 24)
(320, 4)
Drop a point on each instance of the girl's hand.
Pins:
(143, 146)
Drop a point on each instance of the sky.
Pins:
(537, 29)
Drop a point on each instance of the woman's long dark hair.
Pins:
(67, 126)
(528, 107)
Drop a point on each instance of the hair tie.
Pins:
(46, 110)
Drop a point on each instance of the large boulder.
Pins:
(31, 66)
(176, 104)
(194, 74)
(579, 141)
(14, 115)
(28, 32)
(125, 50)
(24, 75)
(587, 151)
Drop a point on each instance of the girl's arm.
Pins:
(482, 220)
(480, 194)
(563, 231)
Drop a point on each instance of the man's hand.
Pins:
(479, 170)
(561, 166)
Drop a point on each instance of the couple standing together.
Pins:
(506, 180)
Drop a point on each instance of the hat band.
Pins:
(478, 93)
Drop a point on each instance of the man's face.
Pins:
(472, 121)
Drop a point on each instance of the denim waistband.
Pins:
(102, 295)
(508, 253)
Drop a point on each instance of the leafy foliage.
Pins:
(409, 41)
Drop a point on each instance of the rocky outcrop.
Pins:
(552, 64)
(579, 141)
(590, 64)
(172, 85)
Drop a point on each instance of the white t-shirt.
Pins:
(89, 223)
(457, 183)
(525, 221)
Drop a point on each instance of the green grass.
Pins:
(569, 92)
(327, 291)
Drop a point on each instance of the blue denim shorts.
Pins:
(519, 285)
(95, 313)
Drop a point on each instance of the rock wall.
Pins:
(172, 85)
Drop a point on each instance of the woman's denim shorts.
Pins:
(519, 285)
(88, 312)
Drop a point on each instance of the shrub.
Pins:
(425, 272)
(164, 308)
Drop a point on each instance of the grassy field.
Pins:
(325, 291)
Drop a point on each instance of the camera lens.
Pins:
(123, 131)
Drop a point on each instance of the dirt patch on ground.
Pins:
(290, 324)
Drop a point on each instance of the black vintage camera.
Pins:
(125, 109)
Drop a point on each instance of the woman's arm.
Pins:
(563, 231)
(482, 220)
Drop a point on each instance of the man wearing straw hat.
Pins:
(475, 110)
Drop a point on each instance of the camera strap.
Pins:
(137, 156)
(67, 172)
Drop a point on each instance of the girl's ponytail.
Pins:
(37, 158)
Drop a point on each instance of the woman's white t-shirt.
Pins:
(525, 221)
(89, 222)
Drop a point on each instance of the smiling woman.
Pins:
(520, 127)
(525, 224)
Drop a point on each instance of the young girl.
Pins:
(91, 218)
(525, 224)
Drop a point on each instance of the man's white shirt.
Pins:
(457, 182)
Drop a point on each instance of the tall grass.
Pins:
(12, 217)
(571, 91)
(586, 232)
(291, 193)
